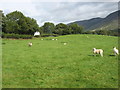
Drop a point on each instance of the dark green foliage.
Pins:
(76, 29)
(16, 36)
(48, 27)
(41, 30)
(37, 36)
(62, 29)
(103, 32)
(49, 35)
(1, 20)
(16, 22)
(88, 32)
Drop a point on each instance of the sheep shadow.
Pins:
(94, 55)
(3, 43)
(63, 42)
(90, 55)
(112, 55)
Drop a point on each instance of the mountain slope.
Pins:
(110, 22)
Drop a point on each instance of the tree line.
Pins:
(15, 22)
(104, 32)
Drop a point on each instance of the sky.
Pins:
(60, 11)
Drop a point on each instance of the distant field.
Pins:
(50, 64)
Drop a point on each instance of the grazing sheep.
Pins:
(30, 44)
(41, 39)
(65, 43)
(115, 50)
(98, 51)
(52, 39)
(56, 39)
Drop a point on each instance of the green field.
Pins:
(51, 64)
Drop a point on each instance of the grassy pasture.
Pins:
(50, 64)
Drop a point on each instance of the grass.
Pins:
(50, 64)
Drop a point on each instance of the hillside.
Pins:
(110, 22)
(51, 64)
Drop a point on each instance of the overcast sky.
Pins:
(59, 11)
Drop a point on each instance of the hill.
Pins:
(110, 22)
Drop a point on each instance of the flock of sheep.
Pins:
(30, 43)
(95, 51)
(100, 51)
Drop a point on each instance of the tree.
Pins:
(16, 22)
(10, 26)
(62, 29)
(1, 19)
(41, 29)
(48, 27)
(76, 29)
(101, 32)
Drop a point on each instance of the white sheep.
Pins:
(98, 51)
(115, 50)
(52, 39)
(41, 39)
(30, 44)
(56, 39)
(65, 43)
(87, 37)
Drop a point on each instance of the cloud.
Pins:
(73, 11)
(57, 11)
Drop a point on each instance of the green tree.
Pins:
(41, 29)
(16, 22)
(76, 29)
(10, 26)
(48, 27)
(101, 32)
(62, 29)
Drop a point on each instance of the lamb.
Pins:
(98, 51)
(115, 50)
(87, 37)
(65, 43)
(30, 44)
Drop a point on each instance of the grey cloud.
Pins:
(73, 11)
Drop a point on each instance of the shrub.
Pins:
(16, 36)
(37, 36)
(49, 35)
